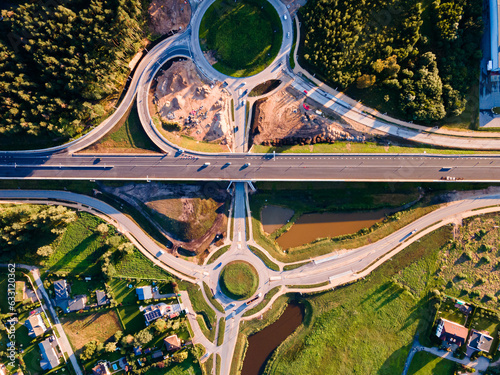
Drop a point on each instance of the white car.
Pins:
(284, 17)
(288, 35)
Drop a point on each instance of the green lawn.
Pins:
(80, 248)
(246, 35)
(424, 363)
(127, 135)
(218, 254)
(200, 306)
(132, 318)
(367, 147)
(136, 265)
(239, 280)
(368, 327)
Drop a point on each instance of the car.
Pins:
(159, 253)
(236, 129)
(206, 164)
(288, 34)
(246, 165)
(285, 17)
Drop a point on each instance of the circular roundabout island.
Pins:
(244, 36)
(239, 280)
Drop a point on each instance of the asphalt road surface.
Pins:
(255, 167)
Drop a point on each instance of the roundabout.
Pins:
(239, 280)
(244, 37)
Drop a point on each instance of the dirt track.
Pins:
(168, 15)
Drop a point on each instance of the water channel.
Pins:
(262, 344)
(309, 227)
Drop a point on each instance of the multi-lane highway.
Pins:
(243, 167)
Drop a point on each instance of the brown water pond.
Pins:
(274, 217)
(309, 227)
(262, 344)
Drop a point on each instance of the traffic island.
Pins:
(239, 280)
(242, 38)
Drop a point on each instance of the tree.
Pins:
(160, 325)
(118, 335)
(143, 337)
(89, 350)
(110, 347)
(127, 340)
(365, 81)
(45, 251)
(179, 356)
(102, 228)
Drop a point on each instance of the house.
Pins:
(77, 303)
(50, 358)
(479, 341)
(172, 343)
(101, 298)
(101, 369)
(35, 325)
(137, 350)
(61, 290)
(144, 292)
(153, 312)
(451, 332)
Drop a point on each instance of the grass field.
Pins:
(368, 327)
(80, 248)
(239, 280)
(246, 36)
(127, 136)
(138, 266)
(81, 329)
(424, 363)
(357, 148)
(218, 254)
(201, 307)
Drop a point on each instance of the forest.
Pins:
(421, 58)
(60, 60)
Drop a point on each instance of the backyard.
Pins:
(424, 363)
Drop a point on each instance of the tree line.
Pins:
(58, 61)
(425, 61)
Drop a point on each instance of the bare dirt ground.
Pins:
(82, 329)
(189, 215)
(168, 15)
(200, 110)
(283, 119)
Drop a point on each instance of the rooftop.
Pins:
(480, 341)
(451, 332)
(144, 292)
(49, 356)
(35, 325)
(172, 343)
(61, 289)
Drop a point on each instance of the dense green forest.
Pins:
(59, 60)
(422, 57)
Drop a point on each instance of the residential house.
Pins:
(101, 369)
(61, 289)
(35, 325)
(101, 298)
(144, 292)
(451, 332)
(479, 341)
(50, 359)
(78, 303)
(153, 312)
(172, 343)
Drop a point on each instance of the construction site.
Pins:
(167, 16)
(189, 106)
(289, 118)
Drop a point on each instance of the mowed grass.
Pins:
(79, 249)
(83, 328)
(359, 148)
(127, 136)
(245, 35)
(239, 280)
(136, 265)
(424, 363)
(368, 327)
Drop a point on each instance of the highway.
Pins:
(231, 166)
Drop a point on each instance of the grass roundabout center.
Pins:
(239, 280)
(245, 35)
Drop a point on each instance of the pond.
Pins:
(274, 217)
(262, 344)
(309, 227)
